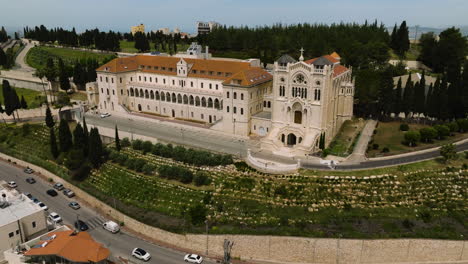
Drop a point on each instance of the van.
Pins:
(112, 227)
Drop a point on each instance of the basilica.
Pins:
(288, 108)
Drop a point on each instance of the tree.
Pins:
(95, 148)
(3, 58)
(65, 136)
(412, 137)
(63, 76)
(428, 134)
(442, 131)
(394, 38)
(386, 92)
(117, 139)
(86, 137)
(53, 144)
(420, 95)
(78, 137)
(398, 104)
(448, 152)
(40, 73)
(79, 76)
(402, 39)
(24, 105)
(49, 119)
(408, 95)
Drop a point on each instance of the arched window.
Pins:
(179, 98)
(146, 94)
(168, 97)
(157, 95)
(203, 102)
(264, 103)
(227, 109)
(142, 94)
(197, 101)
(185, 99)
(269, 104)
(191, 102)
(131, 92)
(152, 95)
(163, 96)
(174, 98)
(210, 102)
(235, 95)
(137, 93)
(216, 103)
(242, 96)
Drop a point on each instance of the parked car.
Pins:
(74, 205)
(35, 200)
(104, 115)
(141, 254)
(30, 180)
(28, 195)
(80, 225)
(55, 218)
(110, 226)
(69, 193)
(43, 206)
(193, 258)
(58, 186)
(52, 192)
(12, 184)
(28, 170)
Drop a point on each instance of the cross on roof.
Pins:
(301, 58)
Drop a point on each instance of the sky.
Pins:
(119, 15)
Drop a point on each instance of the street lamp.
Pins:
(206, 222)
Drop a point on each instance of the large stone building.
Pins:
(289, 110)
(139, 28)
(20, 218)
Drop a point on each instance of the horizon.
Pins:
(183, 14)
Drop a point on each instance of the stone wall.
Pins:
(22, 83)
(290, 249)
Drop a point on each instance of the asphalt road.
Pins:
(120, 244)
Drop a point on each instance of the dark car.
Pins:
(52, 192)
(30, 180)
(80, 225)
(29, 195)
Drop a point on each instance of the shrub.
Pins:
(462, 125)
(148, 169)
(130, 163)
(325, 152)
(201, 178)
(146, 146)
(281, 190)
(411, 138)
(197, 214)
(442, 131)
(404, 127)
(114, 156)
(26, 129)
(375, 146)
(385, 150)
(448, 152)
(407, 224)
(428, 134)
(125, 142)
(121, 159)
(137, 144)
(453, 127)
(186, 177)
(139, 163)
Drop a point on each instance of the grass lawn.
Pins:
(33, 98)
(79, 95)
(389, 135)
(342, 145)
(129, 46)
(37, 56)
(411, 54)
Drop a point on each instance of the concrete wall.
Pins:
(37, 86)
(291, 249)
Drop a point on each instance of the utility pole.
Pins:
(416, 33)
(206, 222)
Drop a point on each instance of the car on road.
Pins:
(104, 115)
(28, 195)
(35, 200)
(54, 217)
(74, 205)
(111, 226)
(58, 186)
(28, 170)
(43, 206)
(80, 225)
(30, 180)
(193, 258)
(141, 254)
(12, 184)
(52, 192)
(68, 193)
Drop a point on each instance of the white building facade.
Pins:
(289, 110)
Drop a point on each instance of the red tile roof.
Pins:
(76, 248)
(328, 57)
(339, 69)
(249, 77)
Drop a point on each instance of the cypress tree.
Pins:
(15, 101)
(53, 144)
(408, 94)
(49, 120)
(3, 58)
(420, 95)
(86, 136)
(403, 39)
(63, 76)
(434, 101)
(95, 148)
(443, 112)
(65, 136)
(7, 98)
(78, 137)
(386, 92)
(394, 38)
(24, 105)
(428, 100)
(464, 88)
(397, 105)
(117, 139)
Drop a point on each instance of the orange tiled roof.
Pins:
(339, 69)
(328, 57)
(249, 77)
(199, 68)
(335, 55)
(78, 248)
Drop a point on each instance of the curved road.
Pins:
(120, 244)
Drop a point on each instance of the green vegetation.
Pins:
(33, 98)
(417, 200)
(37, 56)
(343, 143)
(412, 54)
(129, 46)
(389, 135)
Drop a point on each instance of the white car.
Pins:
(104, 115)
(43, 206)
(193, 258)
(12, 184)
(141, 254)
(55, 218)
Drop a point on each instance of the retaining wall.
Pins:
(290, 249)
(33, 85)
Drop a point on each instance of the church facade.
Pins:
(288, 109)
